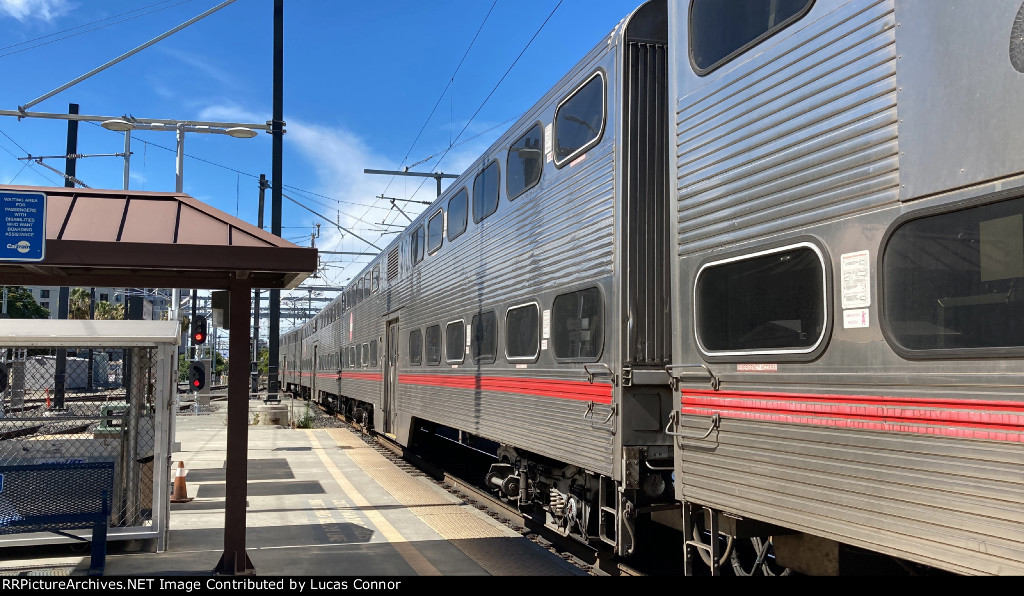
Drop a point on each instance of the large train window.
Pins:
(366, 354)
(579, 120)
(577, 328)
(720, 31)
(373, 352)
(522, 333)
(953, 281)
(432, 339)
(415, 347)
(770, 302)
(525, 162)
(416, 240)
(485, 192)
(458, 212)
(483, 338)
(435, 231)
(375, 279)
(455, 342)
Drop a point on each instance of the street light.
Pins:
(127, 126)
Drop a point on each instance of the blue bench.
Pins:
(56, 497)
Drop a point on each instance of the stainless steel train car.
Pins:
(847, 276)
(750, 266)
(526, 312)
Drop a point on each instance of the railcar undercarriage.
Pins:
(592, 508)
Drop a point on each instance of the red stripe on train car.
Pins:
(576, 390)
(960, 418)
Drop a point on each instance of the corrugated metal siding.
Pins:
(557, 237)
(803, 134)
(960, 509)
(645, 108)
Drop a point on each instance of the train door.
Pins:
(390, 377)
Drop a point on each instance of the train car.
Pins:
(847, 241)
(527, 311)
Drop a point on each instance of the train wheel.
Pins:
(756, 557)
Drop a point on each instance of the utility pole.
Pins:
(60, 365)
(254, 385)
(273, 384)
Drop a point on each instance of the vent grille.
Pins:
(393, 263)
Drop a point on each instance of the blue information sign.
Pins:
(23, 223)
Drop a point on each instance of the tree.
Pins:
(78, 303)
(263, 361)
(21, 305)
(106, 311)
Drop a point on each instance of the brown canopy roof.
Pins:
(130, 238)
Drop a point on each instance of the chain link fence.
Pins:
(84, 405)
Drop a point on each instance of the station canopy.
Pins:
(130, 238)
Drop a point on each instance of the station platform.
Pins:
(320, 502)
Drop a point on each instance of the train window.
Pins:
(435, 231)
(485, 192)
(415, 347)
(366, 354)
(359, 291)
(432, 344)
(952, 282)
(352, 356)
(373, 353)
(720, 31)
(458, 210)
(416, 240)
(483, 339)
(455, 342)
(577, 329)
(579, 120)
(522, 336)
(375, 279)
(771, 302)
(525, 162)
(366, 285)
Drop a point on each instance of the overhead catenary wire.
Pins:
(28, 41)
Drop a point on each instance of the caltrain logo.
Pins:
(22, 247)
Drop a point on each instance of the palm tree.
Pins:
(78, 303)
(106, 311)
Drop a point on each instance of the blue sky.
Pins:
(366, 85)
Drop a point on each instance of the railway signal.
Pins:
(199, 330)
(196, 376)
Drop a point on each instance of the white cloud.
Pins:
(45, 10)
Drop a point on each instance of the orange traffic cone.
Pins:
(180, 491)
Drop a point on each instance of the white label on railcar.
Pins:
(469, 334)
(547, 143)
(545, 328)
(855, 317)
(757, 367)
(855, 268)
